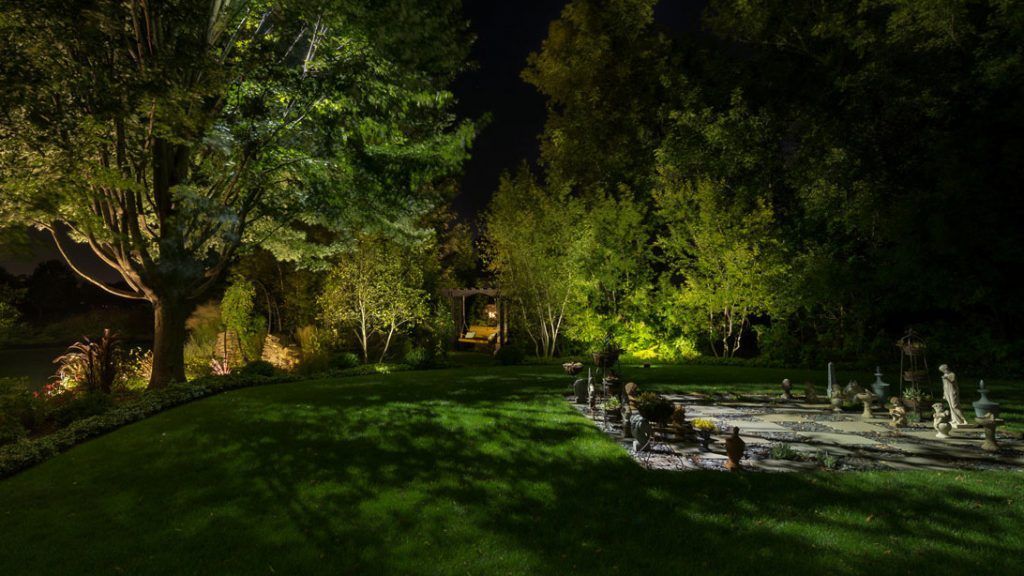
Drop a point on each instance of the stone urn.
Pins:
(734, 448)
(881, 389)
(985, 406)
(867, 399)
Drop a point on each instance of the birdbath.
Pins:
(989, 424)
(867, 398)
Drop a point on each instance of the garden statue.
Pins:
(867, 398)
(837, 402)
(734, 448)
(951, 394)
(632, 393)
(985, 406)
(940, 420)
(678, 421)
(810, 394)
(897, 414)
(580, 388)
(881, 389)
(990, 423)
(641, 432)
(833, 385)
(852, 390)
(787, 389)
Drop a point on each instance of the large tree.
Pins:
(168, 134)
(537, 243)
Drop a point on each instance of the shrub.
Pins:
(258, 368)
(89, 404)
(510, 355)
(344, 361)
(784, 452)
(419, 358)
(135, 370)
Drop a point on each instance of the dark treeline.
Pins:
(814, 177)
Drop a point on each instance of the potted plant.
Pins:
(608, 354)
(916, 400)
(654, 408)
(613, 409)
(704, 428)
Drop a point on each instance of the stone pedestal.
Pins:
(990, 425)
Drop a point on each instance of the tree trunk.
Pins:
(169, 316)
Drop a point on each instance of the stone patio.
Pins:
(811, 431)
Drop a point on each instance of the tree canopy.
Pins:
(168, 135)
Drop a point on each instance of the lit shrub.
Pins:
(419, 358)
(258, 368)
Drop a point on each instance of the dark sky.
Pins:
(507, 32)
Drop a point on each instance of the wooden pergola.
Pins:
(457, 297)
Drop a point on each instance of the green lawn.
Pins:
(471, 471)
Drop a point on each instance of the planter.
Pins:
(613, 415)
(704, 440)
(572, 368)
(606, 358)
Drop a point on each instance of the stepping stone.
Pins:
(702, 411)
(837, 439)
(755, 427)
(770, 465)
(917, 463)
(784, 417)
(857, 427)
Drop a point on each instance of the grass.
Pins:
(471, 471)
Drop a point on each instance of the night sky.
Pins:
(507, 32)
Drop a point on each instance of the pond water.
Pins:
(34, 363)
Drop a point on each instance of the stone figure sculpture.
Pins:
(897, 414)
(951, 394)
(940, 420)
(787, 389)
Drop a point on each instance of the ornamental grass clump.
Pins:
(91, 365)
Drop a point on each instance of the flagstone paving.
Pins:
(816, 434)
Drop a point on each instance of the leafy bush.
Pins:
(237, 310)
(258, 368)
(419, 358)
(135, 369)
(25, 453)
(784, 452)
(83, 406)
(510, 355)
(344, 361)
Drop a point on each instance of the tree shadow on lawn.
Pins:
(423, 477)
